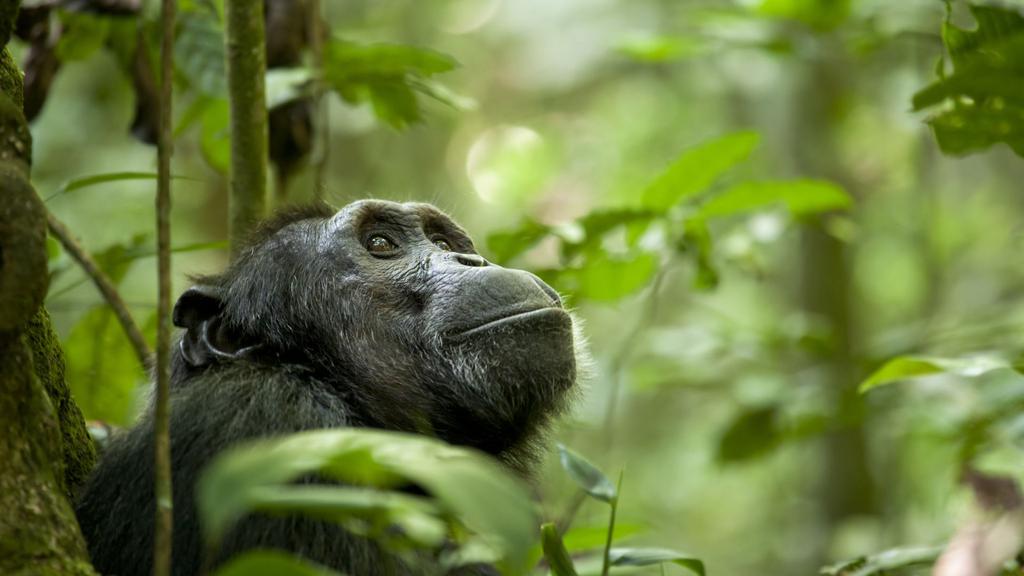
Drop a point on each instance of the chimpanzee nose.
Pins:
(474, 260)
(551, 292)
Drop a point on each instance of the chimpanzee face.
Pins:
(391, 306)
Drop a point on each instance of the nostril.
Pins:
(470, 260)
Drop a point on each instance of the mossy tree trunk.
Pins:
(45, 450)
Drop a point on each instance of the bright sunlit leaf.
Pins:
(909, 367)
(697, 168)
(800, 197)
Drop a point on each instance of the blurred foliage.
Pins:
(668, 165)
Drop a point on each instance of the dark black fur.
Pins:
(308, 329)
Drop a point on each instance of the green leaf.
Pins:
(697, 168)
(506, 245)
(82, 36)
(465, 483)
(818, 14)
(663, 48)
(585, 538)
(608, 278)
(908, 367)
(751, 434)
(285, 85)
(103, 371)
(418, 517)
(272, 563)
(214, 139)
(587, 476)
(199, 52)
(555, 552)
(96, 179)
(884, 562)
(982, 99)
(696, 241)
(600, 222)
(388, 76)
(800, 197)
(651, 556)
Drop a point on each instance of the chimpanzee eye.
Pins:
(443, 244)
(380, 245)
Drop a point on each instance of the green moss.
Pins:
(11, 78)
(48, 360)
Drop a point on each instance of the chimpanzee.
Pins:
(379, 315)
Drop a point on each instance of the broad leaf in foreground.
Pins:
(464, 483)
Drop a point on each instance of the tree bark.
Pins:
(847, 488)
(45, 449)
(246, 70)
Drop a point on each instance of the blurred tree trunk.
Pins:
(45, 450)
(246, 55)
(846, 489)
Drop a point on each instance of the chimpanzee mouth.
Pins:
(515, 316)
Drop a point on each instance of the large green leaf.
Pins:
(982, 96)
(697, 168)
(800, 197)
(272, 563)
(465, 483)
(586, 475)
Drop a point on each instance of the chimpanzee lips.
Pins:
(517, 315)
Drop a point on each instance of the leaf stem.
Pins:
(607, 563)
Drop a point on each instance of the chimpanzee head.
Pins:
(390, 307)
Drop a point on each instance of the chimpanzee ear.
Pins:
(206, 340)
(197, 304)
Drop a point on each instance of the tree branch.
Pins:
(162, 427)
(104, 285)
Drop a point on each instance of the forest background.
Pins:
(764, 211)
